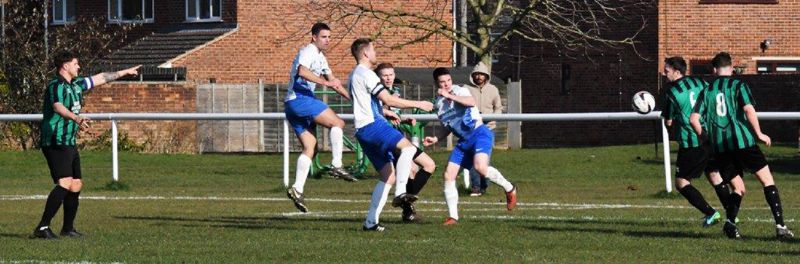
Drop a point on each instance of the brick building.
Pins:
(605, 80)
(698, 29)
(762, 37)
(226, 42)
(239, 41)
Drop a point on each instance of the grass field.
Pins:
(577, 205)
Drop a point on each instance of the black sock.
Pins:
(420, 179)
(733, 207)
(70, 210)
(774, 201)
(410, 186)
(724, 194)
(54, 200)
(696, 199)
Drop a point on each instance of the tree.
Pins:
(26, 66)
(570, 26)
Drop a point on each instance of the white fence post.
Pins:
(286, 153)
(114, 155)
(667, 157)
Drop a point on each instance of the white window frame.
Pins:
(197, 18)
(764, 65)
(119, 13)
(64, 19)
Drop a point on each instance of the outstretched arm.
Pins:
(398, 102)
(107, 77)
(441, 133)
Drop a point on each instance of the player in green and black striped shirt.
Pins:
(679, 99)
(60, 124)
(731, 123)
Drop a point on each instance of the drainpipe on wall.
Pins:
(46, 45)
(454, 34)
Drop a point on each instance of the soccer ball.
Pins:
(643, 102)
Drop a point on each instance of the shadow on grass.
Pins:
(249, 222)
(771, 253)
(651, 161)
(667, 195)
(785, 165)
(621, 231)
(10, 235)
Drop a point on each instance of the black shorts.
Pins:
(691, 162)
(63, 161)
(750, 159)
(726, 170)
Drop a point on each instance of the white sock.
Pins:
(496, 177)
(451, 197)
(336, 146)
(303, 165)
(377, 203)
(403, 170)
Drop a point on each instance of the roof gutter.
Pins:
(168, 64)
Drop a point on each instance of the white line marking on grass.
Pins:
(337, 214)
(535, 206)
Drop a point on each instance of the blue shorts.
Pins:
(379, 141)
(481, 141)
(301, 112)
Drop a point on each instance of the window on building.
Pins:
(738, 1)
(778, 67)
(203, 10)
(130, 11)
(63, 11)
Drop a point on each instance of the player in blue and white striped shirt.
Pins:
(457, 112)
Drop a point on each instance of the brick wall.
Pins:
(600, 81)
(256, 50)
(126, 97)
(699, 31)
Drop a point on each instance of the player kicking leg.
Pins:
(457, 112)
(418, 178)
(304, 111)
(381, 142)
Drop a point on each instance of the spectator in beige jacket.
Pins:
(488, 101)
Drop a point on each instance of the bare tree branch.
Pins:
(574, 26)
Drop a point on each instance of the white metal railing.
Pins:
(614, 116)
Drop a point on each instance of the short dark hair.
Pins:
(319, 26)
(382, 66)
(359, 46)
(63, 57)
(722, 59)
(439, 72)
(676, 63)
